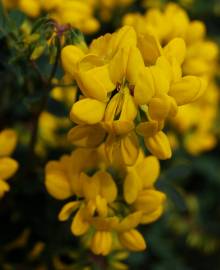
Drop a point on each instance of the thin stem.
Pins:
(47, 85)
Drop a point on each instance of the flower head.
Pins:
(129, 84)
(108, 201)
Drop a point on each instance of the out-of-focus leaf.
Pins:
(4, 29)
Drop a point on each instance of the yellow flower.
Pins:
(106, 8)
(8, 141)
(98, 209)
(172, 22)
(8, 166)
(31, 7)
(196, 122)
(101, 243)
(115, 93)
(49, 131)
(199, 59)
(132, 240)
(77, 13)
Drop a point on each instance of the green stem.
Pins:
(47, 86)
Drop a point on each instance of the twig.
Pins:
(47, 87)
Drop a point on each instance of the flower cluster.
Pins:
(173, 22)
(8, 166)
(130, 86)
(77, 13)
(106, 201)
(196, 121)
(106, 8)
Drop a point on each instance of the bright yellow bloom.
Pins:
(172, 22)
(128, 81)
(200, 60)
(98, 208)
(107, 8)
(196, 122)
(77, 13)
(8, 166)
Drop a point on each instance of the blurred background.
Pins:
(187, 237)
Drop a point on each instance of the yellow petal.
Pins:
(176, 69)
(112, 148)
(129, 109)
(91, 186)
(79, 226)
(118, 65)
(187, 90)
(67, 210)
(159, 145)
(129, 222)
(144, 88)
(101, 206)
(124, 37)
(161, 82)
(149, 200)
(113, 107)
(147, 129)
(70, 56)
(8, 141)
(151, 217)
(108, 188)
(131, 187)
(165, 65)
(121, 127)
(129, 148)
(159, 108)
(86, 135)
(150, 48)
(4, 187)
(31, 8)
(58, 185)
(8, 167)
(95, 83)
(134, 65)
(101, 243)
(104, 223)
(148, 170)
(87, 111)
(176, 48)
(196, 31)
(132, 240)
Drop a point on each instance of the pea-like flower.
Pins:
(200, 60)
(106, 201)
(129, 85)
